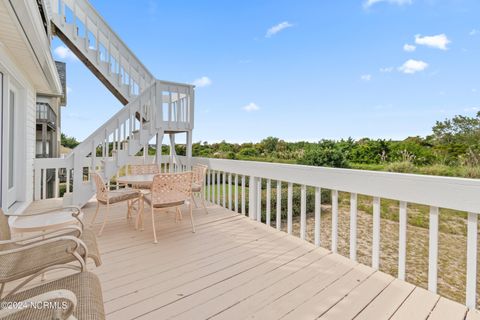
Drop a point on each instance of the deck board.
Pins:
(235, 268)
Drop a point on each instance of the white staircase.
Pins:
(152, 107)
(89, 36)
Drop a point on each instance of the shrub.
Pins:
(401, 167)
(324, 157)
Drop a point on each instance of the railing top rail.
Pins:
(444, 192)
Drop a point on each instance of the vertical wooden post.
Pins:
(318, 209)
(303, 212)
(433, 250)
(334, 220)
(402, 240)
(290, 209)
(376, 234)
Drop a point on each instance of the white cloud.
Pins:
(369, 3)
(413, 66)
(277, 28)
(409, 47)
(471, 109)
(386, 69)
(202, 82)
(366, 77)
(63, 52)
(69, 90)
(440, 41)
(473, 32)
(251, 107)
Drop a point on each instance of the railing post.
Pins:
(318, 208)
(402, 240)
(236, 193)
(334, 220)
(376, 234)
(259, 199)
(252, 197)
(229, 191)
(303, 212)
(243, 195)
(353, 226)
(268, 202)
(290, 209)
(278, 214)
(471, 300)
(433, 250)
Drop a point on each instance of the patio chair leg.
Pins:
(139, 213)
(153, 226)
(104, 220)
(191, 218)
(194, 201)
(203, 202)
(129, 208)
(95, 215)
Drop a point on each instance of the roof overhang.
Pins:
(25, 37)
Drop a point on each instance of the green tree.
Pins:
(69, 142)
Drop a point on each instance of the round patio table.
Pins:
(133, 180)
(136, 179)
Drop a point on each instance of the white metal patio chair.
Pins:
(199, 172)
(170, 190)
(108, 197)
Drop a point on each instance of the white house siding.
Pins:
(27, 98)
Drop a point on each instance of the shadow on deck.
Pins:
(234, 268)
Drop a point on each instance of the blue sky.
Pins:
(297, 70)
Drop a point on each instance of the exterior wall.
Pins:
(26, 133)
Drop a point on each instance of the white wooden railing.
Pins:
(61, 170)
(229, 181)
(226, 186)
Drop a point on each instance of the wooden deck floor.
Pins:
(234, 268)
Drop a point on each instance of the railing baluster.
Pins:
(318, 208)
(219, 188)
(268, 202)
(67, 190)
(209, 185)
(334, 220)
(471, 300)
(289, 208)
(56, 184)
(236, 193)
(278, 215)
(376, 234)
(252, 197)
(44, 184)
(229, 191)
(433, 250)
(303, 212)
(259, 200)
(353, 226)
(224, 190)
(243, 195)
(402, 240)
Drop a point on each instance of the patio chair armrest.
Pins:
(61, 302)
(38, 257)
(75, 213)
(73, 230)
(75, 210)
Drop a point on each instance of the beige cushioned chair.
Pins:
(108, 197)
(170, 190)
